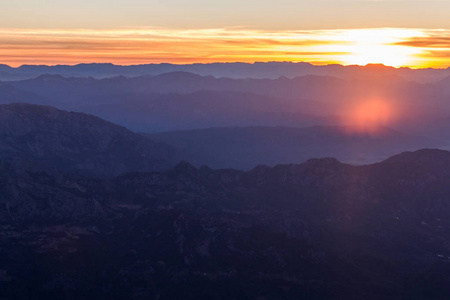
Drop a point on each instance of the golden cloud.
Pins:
(148, 44)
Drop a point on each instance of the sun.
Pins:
(378, 54)
(378, 46)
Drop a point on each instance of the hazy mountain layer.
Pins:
(179, 100)
(247, 147)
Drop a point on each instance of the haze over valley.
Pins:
(359, 114)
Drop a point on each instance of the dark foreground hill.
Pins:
(76, 142)
(318, 230)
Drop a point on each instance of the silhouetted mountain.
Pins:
(233, 70)
(246, 147)
(76, 142)
(318, 230)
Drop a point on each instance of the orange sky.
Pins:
(414, 33)
(397, 47)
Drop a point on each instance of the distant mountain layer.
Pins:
(183, 100)
(10, 94)
(317, 230)
(299, 87)
(76, 142)
(247, 147)
(232, 70)
(180, 100)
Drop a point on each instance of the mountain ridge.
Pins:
(234, 70)
(76, 142)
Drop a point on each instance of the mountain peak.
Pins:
(423, 156)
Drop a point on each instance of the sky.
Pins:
(392, 32)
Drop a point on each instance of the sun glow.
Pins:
(379, 54)
(369, 116)
(379, 46)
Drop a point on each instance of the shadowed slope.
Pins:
(76, 142)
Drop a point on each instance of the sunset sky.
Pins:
(392, 32)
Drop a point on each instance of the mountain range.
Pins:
(180, 100)
(261, 70)
(224, 188)
(321, 229)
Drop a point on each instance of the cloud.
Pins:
(154, 44)
(427, 42)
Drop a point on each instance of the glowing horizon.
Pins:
(397, 47)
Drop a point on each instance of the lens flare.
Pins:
(369, 116)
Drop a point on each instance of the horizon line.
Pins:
(314, 64)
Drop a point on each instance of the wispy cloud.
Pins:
(429, 39)
(152, 44)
